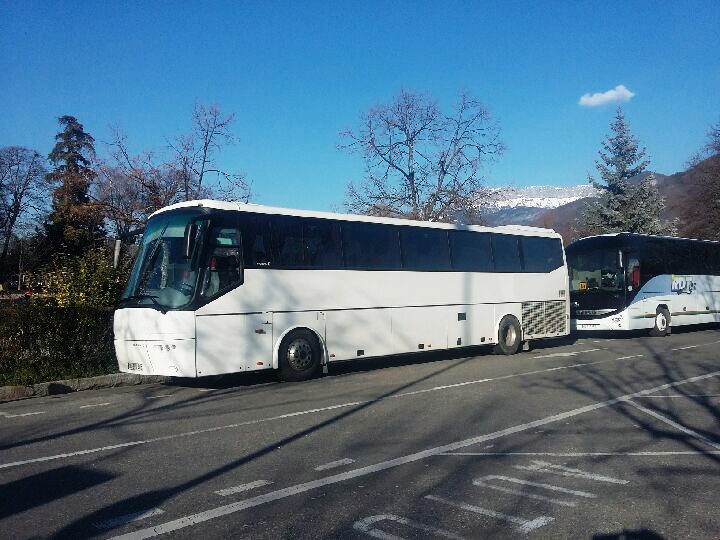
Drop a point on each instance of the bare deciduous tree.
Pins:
(194, 157)
(421, 163)
(131, 187)
(23, 190)
(703, 215)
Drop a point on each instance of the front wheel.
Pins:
(509, 336)
(662, 323)
(299, 356)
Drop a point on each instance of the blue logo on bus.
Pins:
(682, 284)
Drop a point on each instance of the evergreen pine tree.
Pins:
(75, 222)
(625, 205)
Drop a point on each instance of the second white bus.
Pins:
(630, 281)
(227, 287)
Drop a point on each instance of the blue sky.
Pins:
(296, 73)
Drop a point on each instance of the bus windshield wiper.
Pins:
(152, 297)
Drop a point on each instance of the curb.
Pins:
(13, 393)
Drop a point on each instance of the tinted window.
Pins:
(653, 258)
(256, 240)
(287, 241)
(714, 258)
(541, 254)
(372, 246)
(471, 251)
(223, 269)
(322, 244)
(700, 258)
(424, 249)
(506, 252)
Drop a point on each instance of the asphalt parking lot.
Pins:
(579, 438)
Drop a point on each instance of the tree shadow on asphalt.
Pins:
(604, 385)
(250, 384)
(83, 527)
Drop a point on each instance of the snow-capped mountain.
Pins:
(522, 206)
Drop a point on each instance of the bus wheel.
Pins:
(509, 336)
(299, 356)
(662, 322)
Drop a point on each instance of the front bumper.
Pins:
(171, 357)
(615, 322)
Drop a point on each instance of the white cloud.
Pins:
(619, 94)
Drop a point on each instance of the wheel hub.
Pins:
(510, 336)
(660, 321)
(299, 354)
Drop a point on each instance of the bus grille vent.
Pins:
(540, 318)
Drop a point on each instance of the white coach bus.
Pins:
(633, 281)
(223, 287)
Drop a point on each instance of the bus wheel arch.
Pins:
(299, 354)
(661, 323)
(509, 334)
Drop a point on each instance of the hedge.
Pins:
(41, 342)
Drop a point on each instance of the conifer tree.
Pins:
(626, 204)
(75, 222)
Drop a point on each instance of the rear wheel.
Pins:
(299, 356)
(509, 336)
(662, 323)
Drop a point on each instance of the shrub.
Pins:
(44, 342)
(87, 280)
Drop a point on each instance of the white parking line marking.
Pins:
(631, 356)
(333, 464)
(564, 354)
(677, 426)
(366, 525)
(695, 346)
(95, 405)
(159, 396)
(525, 525)
(673, 396)
(583, 454)
(279, 494)
(243, 487)
(288, 415)
(129, 518)
(6, 415)
(485, 482)
(544, 466)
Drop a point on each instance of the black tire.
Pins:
(299, 356)
(661, 326)
(509, 336)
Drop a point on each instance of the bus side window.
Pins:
(541, 254)
(371, 246)
(471, 251)
(223, 270)
(506, 252)
(653, 260)
(256, 241)
(424, 249)
(287, 241)
(321, 243)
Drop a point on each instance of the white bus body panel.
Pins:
(363, 313)
(150, 342)
(689, 299)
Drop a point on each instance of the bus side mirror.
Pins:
(636, 277)
(189, 239)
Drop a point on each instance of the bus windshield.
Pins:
(593, 270)
(162, 277)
